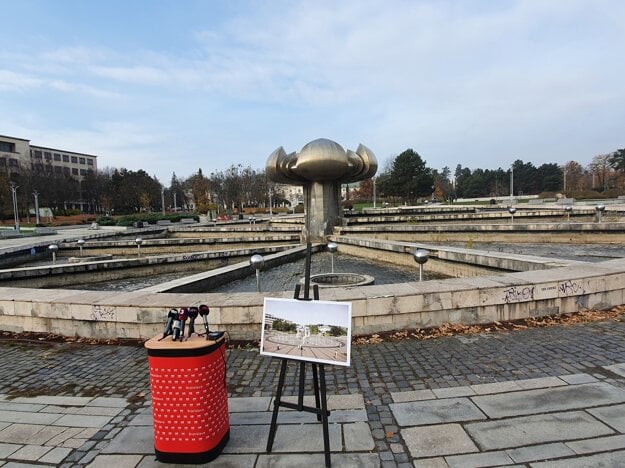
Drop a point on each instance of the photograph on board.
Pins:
(317, 331)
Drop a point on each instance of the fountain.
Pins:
(321, 167)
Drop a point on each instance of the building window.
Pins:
(66, 170)
(47, 155)
(3, 162)
(89, 162)
(58, 170)
(13, 162)
(37, 154)
(57, 157)
(65, 158)
(82, 160)
(90, 171)
(74, 171)
(7, 146)
(83, 172)
(74, 159)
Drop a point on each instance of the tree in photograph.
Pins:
(284, 326)
(337, 331)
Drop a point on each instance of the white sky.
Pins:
(179, 85)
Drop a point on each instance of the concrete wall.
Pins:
(375, 308)
(97, 271)
(582, 233)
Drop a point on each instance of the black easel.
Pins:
(319, 387)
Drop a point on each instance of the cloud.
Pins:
(12, 81)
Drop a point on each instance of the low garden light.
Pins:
(54, 249)
(81, 243)
(257, 262)
(600, 209)
(332, 248)
(421, 256)
(138, 241)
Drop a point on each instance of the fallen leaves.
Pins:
(453, 329)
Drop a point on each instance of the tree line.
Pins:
(406, 178)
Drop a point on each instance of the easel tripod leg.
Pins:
(276, 407)
(316, 389)
(324, 415)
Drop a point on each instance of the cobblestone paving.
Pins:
(30, 369)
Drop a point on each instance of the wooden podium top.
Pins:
(194, 342)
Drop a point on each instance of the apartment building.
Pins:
(18, 153)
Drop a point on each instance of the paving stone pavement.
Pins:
(535, 398)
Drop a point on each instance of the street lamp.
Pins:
(332, 248)
(374, 192)
(600, 209)
(36, 195)
(421, 256)
(511, 210)
(54, 249)
(257, 262)
(163, 198)
(81, 243)
(138, 241)
(512, 184)
(16, 215)
(175, 205)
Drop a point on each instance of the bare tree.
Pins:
(600, 168)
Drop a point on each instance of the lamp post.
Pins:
(568, 209)
(138, 241)
(163, 198)
(421, 256)
(332, 248)
(81, 243)
(270, 204)
(16, 215)
(374, 192)
(512, 184)
(600, 209)
(257, 262)
(511, 210)
(53, 248)
(36, 195)
(175, 205)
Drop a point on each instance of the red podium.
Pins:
(189, 399)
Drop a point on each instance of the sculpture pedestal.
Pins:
(325, 208)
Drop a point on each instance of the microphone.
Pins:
(193, 313)
(204, 311)
(171, 316)
(176, 328)
(182, 316)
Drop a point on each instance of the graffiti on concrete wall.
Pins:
(99, 313)
(570, 288)
(518, 294)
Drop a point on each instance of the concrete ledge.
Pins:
(375, 308)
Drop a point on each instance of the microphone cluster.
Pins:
(177, 318)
